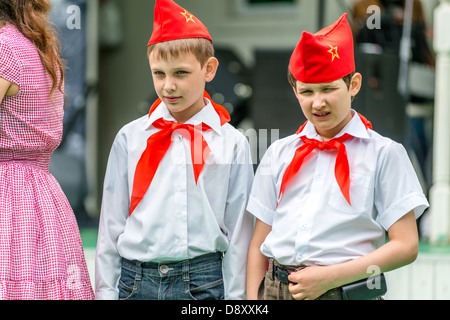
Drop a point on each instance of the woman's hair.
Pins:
(31, 19)
(201, 48)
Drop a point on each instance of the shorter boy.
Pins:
(324, 197)
(173, 222)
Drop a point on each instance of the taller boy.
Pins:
(173, 222)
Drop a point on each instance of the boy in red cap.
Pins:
(173, 222)
(324, 197)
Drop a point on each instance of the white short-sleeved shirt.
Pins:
(177, 219)
(314, 224)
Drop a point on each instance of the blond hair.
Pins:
(201, 48)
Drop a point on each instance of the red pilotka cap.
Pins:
(325, 56)
(173, 22)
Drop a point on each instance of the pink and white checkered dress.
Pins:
(41, 254)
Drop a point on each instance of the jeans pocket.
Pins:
(207, 284)
(128, 285)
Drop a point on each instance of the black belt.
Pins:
(281, 274)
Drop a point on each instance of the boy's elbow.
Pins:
(412, 252)
(406, 239)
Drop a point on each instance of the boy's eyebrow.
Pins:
(153, 69)
(317, 86)
(156, 69)
(304, 88)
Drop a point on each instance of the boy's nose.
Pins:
(318, 101)
(169, 85)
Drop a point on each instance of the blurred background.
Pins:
(109, 84)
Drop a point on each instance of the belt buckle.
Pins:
(282, 274)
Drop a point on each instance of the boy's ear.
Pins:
(211, 66)
(355, 84)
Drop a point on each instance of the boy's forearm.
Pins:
(256, 261)
(256, 269)
(388, 257)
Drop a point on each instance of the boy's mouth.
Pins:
(171, 99)
(321, 115)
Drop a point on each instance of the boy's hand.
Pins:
(309, 283)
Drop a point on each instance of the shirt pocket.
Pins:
(359, 195)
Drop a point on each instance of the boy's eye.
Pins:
(158, 73)
(181, 72)
(305, 92)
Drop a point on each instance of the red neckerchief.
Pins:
(341, 168)
(159, 143)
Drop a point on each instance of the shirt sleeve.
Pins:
(264, 194)
(397, 188)
(114, 213)
(239, 223)
(9, 65)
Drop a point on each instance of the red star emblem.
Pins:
(334, 52)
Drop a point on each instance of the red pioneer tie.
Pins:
(341, 168)
(159, 143)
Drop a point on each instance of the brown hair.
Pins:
(30, 17)
(201, 48)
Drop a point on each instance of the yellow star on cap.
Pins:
(334, 52)
(188, 16)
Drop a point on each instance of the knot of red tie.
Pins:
(325, 145)
(182, 128)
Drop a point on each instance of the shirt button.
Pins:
(164, 269)
(305, 226)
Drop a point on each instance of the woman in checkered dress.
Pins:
(41, 255)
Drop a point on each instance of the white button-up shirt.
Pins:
(314, 224)
(177, 219)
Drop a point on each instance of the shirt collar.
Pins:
(355, 127)
(207, 116)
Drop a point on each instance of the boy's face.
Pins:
(328, 105)
(180, 82)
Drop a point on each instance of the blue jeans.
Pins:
(199, 278)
